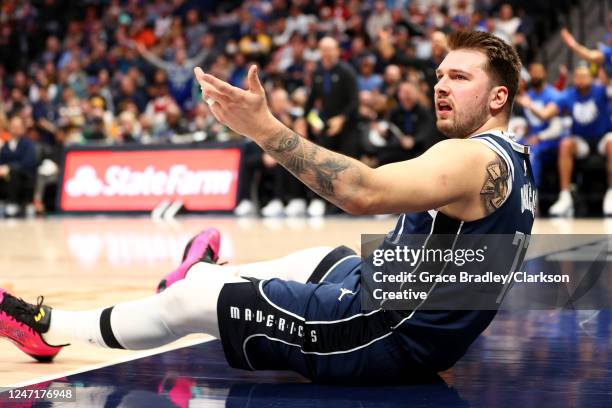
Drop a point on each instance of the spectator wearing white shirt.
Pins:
(378, 20)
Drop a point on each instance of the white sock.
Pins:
(67, 327)
(297, 266)
(188, 306)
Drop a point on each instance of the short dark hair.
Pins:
(503, 63)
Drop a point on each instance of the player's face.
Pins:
(462, 93)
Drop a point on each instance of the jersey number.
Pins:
(521, 242)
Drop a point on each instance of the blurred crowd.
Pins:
(355, 76)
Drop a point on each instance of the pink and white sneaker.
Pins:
(204, 247)
(24, 323)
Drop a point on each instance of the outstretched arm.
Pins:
(545, 113)
(583, 52)
(152, 58)
(427, 182)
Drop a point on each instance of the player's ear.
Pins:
(498, 98)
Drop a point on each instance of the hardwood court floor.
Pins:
(90, 262)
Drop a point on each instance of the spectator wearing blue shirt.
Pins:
(368, 80)
(17, 169)
(179, 71)
(542, 135)
(587, 104)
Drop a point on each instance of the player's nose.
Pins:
(441, 88)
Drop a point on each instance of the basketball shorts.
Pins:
(317, 329)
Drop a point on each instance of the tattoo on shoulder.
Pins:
(495, 187)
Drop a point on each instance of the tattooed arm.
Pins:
(333, 176)
(338, 178)
(449, 176)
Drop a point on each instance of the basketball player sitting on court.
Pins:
(303, 312)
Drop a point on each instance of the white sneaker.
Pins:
(607, 203)
(11, 210)
(274, 208)
(30, 211)
(316, 208)
(296, 208)
(245, 209)
(564, 206)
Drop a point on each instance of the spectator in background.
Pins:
(128, 129)
(179, 72)
(601, 56)
(288, 193)
(52, 51)
(391, 80)
(256, 45)
(17, 170)
(204, 126)
(175, 122)
(334, 91)
(379, 20)
(587, 103)
(194, 31)
(156, 113)
(510, 28)
(239, 70)
(129, 92)
(506, 25)
(297, 22)
(71, 116)
(410, 129)
(367, 80)
(543, 136)
(46, 116)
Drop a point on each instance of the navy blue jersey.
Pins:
(438, 338)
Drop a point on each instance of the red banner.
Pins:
(138, 180)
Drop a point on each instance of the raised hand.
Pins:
(568, 38)
(246, 112)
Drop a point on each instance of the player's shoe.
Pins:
(204, 247)
(24, 323)
(563, 207)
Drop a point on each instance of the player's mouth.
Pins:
(443, 108)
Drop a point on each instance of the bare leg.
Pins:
(567, 152)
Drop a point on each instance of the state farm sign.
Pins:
(138, 180)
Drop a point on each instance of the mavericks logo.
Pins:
(270, 320)
(529, 199)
